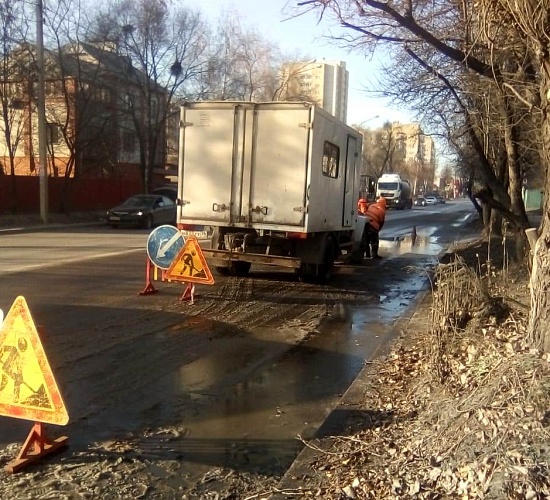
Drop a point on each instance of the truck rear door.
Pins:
(349, 193)
(206, 162)
(279, 165)
(244, 164)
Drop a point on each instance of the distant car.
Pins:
(143, 210)
(168, 191)
(420, 201)
(431, 200)
(441, 200)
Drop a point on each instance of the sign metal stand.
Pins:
(36, 446)
(149, 288)
(189, 293)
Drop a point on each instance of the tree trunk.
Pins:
(514, 173)
(486, 211)
(495, 224)
(539, 314)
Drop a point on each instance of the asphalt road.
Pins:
(232, 379)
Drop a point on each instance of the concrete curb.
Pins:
(47, 227)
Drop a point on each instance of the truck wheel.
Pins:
(306, 272)
(357, 255)
(325, 270)
(239, 268)
(222, 270)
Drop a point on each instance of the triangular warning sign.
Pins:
(190, 265)
(27, 387)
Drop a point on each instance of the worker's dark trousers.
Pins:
(372, 241)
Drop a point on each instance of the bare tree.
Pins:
(163, 47)
(380, 150)
(14, 85)
(413, 25)
(242, 63)
(530, 20)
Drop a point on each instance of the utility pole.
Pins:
(41, 110)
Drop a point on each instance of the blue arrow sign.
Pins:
(163, 244)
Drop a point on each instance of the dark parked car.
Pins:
(420, 201)
(441, 200)
(143, 210)
(168, 191)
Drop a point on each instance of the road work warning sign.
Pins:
(27, 387)
(190, 265)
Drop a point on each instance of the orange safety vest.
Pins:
(377, 215)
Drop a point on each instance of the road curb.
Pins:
(47, 227)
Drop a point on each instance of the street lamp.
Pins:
(41, 109)
(367, 120)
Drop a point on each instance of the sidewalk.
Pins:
(14, 222)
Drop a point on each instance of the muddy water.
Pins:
(256, 424)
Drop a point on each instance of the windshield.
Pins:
(388, 186)
(139, 201)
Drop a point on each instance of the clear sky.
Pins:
(305, 36)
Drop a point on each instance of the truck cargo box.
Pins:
(284, 166)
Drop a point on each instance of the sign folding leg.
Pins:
(149, 288)
(189, 293)
(36, 446)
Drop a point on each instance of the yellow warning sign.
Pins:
(190, 264)
(27, 387)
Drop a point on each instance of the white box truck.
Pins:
(277, 182)
(396, 191)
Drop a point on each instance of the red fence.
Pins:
(22, 193)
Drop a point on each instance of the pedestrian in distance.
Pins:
(376, 212)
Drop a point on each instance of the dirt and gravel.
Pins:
(457, 409)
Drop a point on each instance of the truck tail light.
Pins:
(299, 236)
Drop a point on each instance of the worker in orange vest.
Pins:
(362, 205)
(376, 212)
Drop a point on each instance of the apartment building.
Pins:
(323, 82)
(415, 153)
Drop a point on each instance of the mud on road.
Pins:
(172, 400)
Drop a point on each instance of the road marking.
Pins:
(73, 260)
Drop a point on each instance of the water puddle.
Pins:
(253, 422)
(414, 242)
